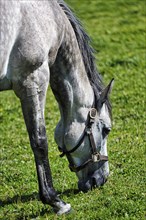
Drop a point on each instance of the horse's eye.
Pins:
(106, 131)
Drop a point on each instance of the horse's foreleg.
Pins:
(33, 102)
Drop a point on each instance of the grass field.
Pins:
(117, 29)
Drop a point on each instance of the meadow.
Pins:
(117, 29)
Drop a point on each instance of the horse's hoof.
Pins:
(66, 208)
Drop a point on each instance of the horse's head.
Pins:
(96, 170)
(88, 158)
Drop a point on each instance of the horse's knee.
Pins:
(40, 146)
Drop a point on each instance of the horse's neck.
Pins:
(69, 80)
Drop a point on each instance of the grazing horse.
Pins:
(43, 42)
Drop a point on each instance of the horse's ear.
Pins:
(106, 92)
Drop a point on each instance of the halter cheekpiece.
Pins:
(95, 154)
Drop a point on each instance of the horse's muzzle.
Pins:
(93, 182)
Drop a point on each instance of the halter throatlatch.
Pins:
(95, 154)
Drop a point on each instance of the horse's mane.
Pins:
(87, 51)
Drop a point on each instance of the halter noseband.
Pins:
(95, 154)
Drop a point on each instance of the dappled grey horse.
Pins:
(42, 42)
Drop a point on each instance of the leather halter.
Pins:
(95, 154)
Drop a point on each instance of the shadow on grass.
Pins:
(33, 196)
(18, 198)
(69, 192)
(45, 210)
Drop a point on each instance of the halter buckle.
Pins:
(92, 113)
(96, 157)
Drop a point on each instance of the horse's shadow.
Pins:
(69, 192)
(23, 199)
(33, 196)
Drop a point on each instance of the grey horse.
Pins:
(42, 42)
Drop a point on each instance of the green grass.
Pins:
(118, 32)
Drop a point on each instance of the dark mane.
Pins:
(87, 51)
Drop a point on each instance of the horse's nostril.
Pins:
(97, 181)
(94, 182)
